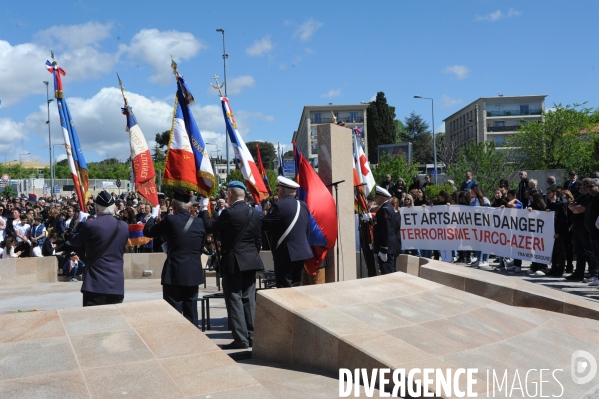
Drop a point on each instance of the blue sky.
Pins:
(283, 55)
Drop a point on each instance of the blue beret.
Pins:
(237, 184)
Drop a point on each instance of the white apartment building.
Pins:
(313, 115)
(493, 118)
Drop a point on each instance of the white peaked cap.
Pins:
(382, 191)
(285, 182)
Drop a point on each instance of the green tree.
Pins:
(163, 138)
(159, 155)
(401, 134)
(564, 139)
(396, 167)
(288, 153)
(8, 191)
(418, 133)
(267, 152)
(487, 165)
(381, 125)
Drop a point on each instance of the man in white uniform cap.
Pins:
(287, 224)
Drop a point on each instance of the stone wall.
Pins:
(22, 271)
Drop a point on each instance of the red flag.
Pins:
(323, 214)
(262, 170)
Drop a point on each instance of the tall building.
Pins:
(493, 118)
(314, 115)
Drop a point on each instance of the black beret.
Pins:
(182, 195)
(104, 199)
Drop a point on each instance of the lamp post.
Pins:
(21, 172)
(434, 135)
(225, 56)
(53, 165)
(49, 100)
(214, 165)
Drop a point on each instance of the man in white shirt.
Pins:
(22, 230)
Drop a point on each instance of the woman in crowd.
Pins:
(498, 199)
(399, 189)
(447, 255)
(537, 203)
(419, 196)
(479, 199)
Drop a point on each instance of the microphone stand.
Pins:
(336, 184)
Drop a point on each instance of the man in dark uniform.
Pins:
(239, 227)
(182, 272)
(104, 280)
(385, 242)
(287, 224)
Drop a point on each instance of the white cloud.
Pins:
(11, 135)
(155, 47)
(373, 98)
(448, 102)
(237, 84)
(260, 47)
(23, 67)
(459, 71)
(331, 93)
(75, 36)
(307, 29)
(497, 15)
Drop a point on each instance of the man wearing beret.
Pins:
(385, 243)
(182, 272)
(287, 223)
(239, 228)
(104, 239)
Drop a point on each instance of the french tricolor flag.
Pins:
(141, 159)
(248, 167)
(188, 164)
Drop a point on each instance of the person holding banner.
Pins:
(558, 206)
(537, 204)
(478, 198)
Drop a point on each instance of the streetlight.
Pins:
(434, 135)
(21, 173)
(225, 56)
(49, 100)
(53, 164)
(214, 165)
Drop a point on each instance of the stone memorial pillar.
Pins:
(335, 164)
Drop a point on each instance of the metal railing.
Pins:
(514, 112)
(495, 129)
(330, 120)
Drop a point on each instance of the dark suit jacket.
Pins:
(522, 189)
(385, 240)
(572, 187)
(183, 265)
(245, 254)
(295, 246)
(104, 276)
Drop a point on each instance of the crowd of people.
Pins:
(574, 203)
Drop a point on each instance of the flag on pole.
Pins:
(188, 163)
(248, 167)
(141, 159)
(75, 158)
(262, 170)
(323, 215)
(362, 166)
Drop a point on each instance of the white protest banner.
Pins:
(513, 233)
